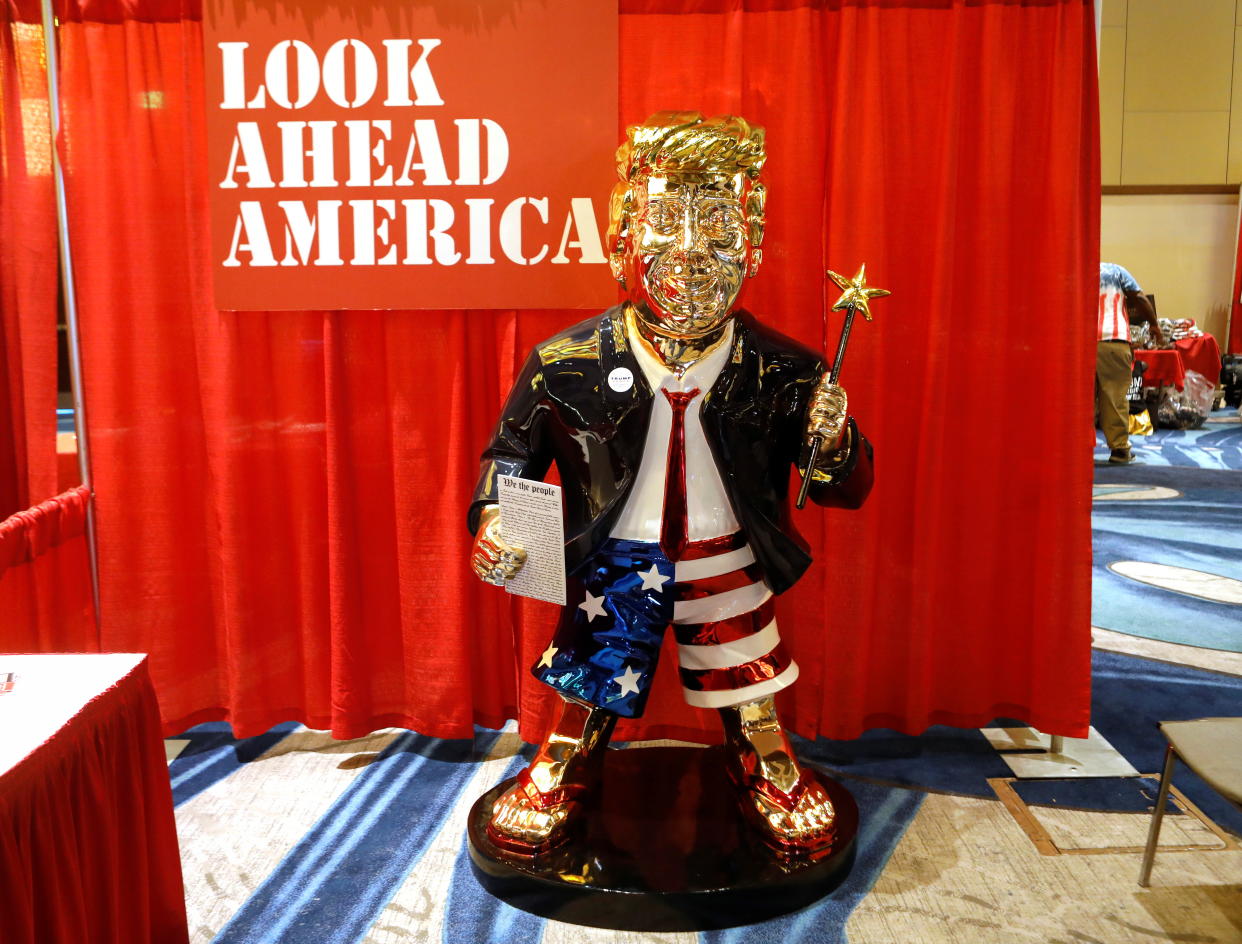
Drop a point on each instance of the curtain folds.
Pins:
(281, 495)
(45, 581)
(88, 839)
(28, 266)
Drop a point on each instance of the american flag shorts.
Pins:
(628, 593)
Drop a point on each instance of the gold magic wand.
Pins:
(855, 297)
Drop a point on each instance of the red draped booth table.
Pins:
(1168, 367)
(1201, 354)
(88, 843)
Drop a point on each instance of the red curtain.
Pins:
(281, 494)
(28, 266)
(45, 581)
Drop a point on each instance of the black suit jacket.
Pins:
(562, 410)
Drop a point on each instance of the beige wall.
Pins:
(1171, 92)
(1170, 117)
(1179, 247)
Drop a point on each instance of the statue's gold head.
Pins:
(686, 221)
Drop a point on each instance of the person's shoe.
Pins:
(1121, 457)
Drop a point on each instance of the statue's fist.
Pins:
(494, 560)
(827, 414)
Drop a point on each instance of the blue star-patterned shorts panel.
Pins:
(608, 640)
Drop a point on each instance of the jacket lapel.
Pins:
(734, 395)
(623, 389)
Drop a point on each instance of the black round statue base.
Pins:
(662, 847)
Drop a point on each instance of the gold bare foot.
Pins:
(529, 821)
(800, 823)
(537, 812)
(787, 805)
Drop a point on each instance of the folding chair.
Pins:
(1212, 748)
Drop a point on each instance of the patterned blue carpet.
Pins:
(1195, 528)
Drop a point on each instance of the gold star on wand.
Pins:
(855, 293)
(855, 297)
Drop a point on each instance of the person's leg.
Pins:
(1112, 375)
(535, 813)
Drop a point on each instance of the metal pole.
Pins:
(70, 299)
(1099, 28)
(1234, 299)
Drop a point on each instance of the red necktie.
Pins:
(673, 531)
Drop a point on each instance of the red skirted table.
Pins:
(1168, 367)
(1164, 368)
(1202, 355)
(88, 842)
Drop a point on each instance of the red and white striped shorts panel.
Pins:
(728, 645)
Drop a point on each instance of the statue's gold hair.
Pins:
(679, 142)
(684, 142)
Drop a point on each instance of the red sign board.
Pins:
(388, 154)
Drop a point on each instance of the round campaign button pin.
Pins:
(621, 379)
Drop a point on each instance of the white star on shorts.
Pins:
(592, 606)
(653, 579)
(547, 656)
(628, 681)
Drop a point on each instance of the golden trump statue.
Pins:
(674, 419)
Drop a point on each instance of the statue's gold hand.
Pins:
(493, 559)
(827, 414)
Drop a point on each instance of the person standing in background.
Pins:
(1113, 357)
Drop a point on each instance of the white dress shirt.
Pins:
(708, 512)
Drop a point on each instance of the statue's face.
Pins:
(688, 252)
